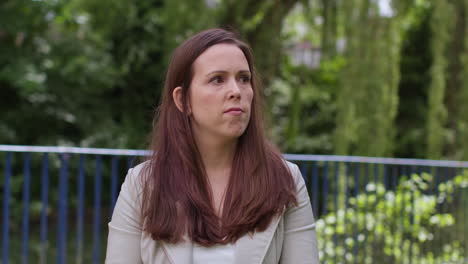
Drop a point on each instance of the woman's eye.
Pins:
(245, 79)
(217, 80)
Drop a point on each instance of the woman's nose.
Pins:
(234, 90)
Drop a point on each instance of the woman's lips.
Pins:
(234, 111)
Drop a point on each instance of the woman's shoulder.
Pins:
(138, 170)
(135, 178)
(294, 170)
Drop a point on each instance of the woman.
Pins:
(214, 190)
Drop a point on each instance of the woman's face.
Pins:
(220, 95)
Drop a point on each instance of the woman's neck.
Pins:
(217, 157)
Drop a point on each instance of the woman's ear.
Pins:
(177, 97)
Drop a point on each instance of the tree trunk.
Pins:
(462, 129)
(329, 29)
(454, 79)
(437, 114)
(260, 22)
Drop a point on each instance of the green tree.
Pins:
(463, 93)
(437, 112)
(413, 88)
(368, 98)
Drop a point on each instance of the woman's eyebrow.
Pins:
(216, 72)
(224, 72)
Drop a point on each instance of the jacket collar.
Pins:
(248, 249)
(253, 248)
(179, 253)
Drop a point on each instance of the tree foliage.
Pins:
(397, 225)
(389, 82)
(463, 98)
(437, 113)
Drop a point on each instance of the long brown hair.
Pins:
(177, 199)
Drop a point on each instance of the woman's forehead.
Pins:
(221, 57)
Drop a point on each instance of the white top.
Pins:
(215, 254)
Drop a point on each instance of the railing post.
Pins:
(6, 209)
(114, 177)
(97, 210)
(44, 199)
(26, 199)
(412, 171)
(335, 242)
(394, 187)
(325, 197)
(356, 193)
(315, 192)
(346, 203)
(62, 221)
(366, 180)
(81, 203)
(130, 161)
(376, 182)
(303, 168)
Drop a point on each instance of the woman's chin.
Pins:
(234, 134)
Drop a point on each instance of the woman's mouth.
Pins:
(234, 111)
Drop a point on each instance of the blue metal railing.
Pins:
(59, 207)
(6, 211)
(81, 192)
(45, 201)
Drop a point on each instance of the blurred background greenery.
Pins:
(349, 77)
(355, 77)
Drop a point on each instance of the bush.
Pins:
(405, 224)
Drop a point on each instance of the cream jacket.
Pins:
(289, 239)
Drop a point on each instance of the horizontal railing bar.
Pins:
(389, 161)
(74, 150)
(294, 157)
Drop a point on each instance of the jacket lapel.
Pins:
(180, 253)
(253, 248)
(248, 249)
